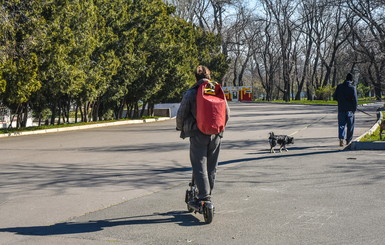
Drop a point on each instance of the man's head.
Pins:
(202, 72)
(349, 77)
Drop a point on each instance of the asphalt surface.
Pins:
(126, 184)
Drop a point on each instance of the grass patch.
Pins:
(34, 128)
(320, 102)
(311, 102)
(375, 136)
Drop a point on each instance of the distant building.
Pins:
(5, 116)
(240, 93)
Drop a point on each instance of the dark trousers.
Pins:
(345, 125)
(204, 152)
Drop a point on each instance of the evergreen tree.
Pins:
(19, 64)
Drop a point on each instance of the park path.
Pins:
(125, 184)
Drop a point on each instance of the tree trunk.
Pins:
(150, 109)
(143, 109)
(76, 112)
(23, 115)
(136, 110)
(54, 111)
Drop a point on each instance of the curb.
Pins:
(373, 145)
(369, 145)
(96, 125)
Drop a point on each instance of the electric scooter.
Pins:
(203, 207)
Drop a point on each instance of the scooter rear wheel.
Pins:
(208, 213)
(187, 199)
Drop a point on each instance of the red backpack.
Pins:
(211, 108)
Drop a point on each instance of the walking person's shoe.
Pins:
(341, 142)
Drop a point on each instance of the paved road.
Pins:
(126, 184)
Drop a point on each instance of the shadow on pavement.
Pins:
(277, 155)
(60, 177)
(182, 218)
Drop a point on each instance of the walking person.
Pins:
(346, 95)
(204, 149)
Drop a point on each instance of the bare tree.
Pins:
(290, 45)
(282, 11)
(369, 39)
(241, 40)
(266, 61)
(185, 8)
(307, 10)
(338, 34)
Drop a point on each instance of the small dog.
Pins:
(281, 140)
(382, 128)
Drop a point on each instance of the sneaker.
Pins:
(341, 142)
(206, 199)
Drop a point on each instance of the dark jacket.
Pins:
(186, 116)
(346, 95)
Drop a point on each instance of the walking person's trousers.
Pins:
(345, 125)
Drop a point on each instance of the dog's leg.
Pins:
(283, 147)
(272, 149)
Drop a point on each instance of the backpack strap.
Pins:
(198, 83)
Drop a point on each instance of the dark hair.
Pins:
(202, 72)
(349, 77)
